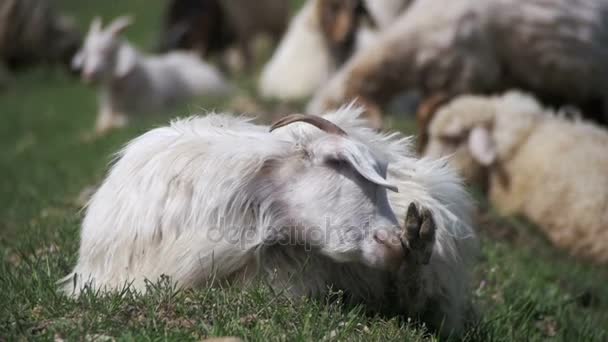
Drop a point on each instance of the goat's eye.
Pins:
(451, 139)
(335, 163)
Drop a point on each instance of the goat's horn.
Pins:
(317, 121)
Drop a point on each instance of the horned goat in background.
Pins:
(557, 50)
(310, 205)
(131, 83)
(550, 169)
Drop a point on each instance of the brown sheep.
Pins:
(556, 49)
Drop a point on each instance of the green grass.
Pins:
(524, 289)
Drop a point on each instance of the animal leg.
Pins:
(413, 281)
(247, 53)
(108, 120)
(418, 237)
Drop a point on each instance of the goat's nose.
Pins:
(392, 242)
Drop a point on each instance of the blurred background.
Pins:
(54, 150)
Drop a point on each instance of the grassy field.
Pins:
(525, 290)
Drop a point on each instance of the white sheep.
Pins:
(131, 83)
(552, 170)
(319, 39)
(305, 206)
(555, 49)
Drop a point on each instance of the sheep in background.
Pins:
(305, 206)
(212, 26)
(31, 31)
(131, 83)
(552, 170)
(340, 22)
(322, 36)
(557, 49)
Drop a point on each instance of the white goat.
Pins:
(131, 83)
(468, 46)
(552, 170)
(220, 197)
(319, 38)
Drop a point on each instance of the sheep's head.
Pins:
(335, 191)
(340, 21)
(100, 56)
(463, 129)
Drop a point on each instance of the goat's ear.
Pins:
(364, 14)
(119, 24)
(127, 58)
(95, 25)
(482, 146)
(78, 61)
(358, 156)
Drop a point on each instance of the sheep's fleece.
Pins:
(554, 48)
(170, 188)
(536, 163)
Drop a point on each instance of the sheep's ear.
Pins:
(127, 58)
(119, 24)
(95, 25)
(482, 146)
(358, 156)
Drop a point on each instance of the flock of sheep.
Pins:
(513, 94)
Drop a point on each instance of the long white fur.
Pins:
(172, 186)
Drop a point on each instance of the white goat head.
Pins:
(340, 179)
(101, 57)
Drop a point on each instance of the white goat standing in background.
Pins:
(131, 83)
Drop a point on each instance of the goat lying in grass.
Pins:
(131, 83)
(312, 204)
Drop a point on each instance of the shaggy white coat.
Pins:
(175, 190)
